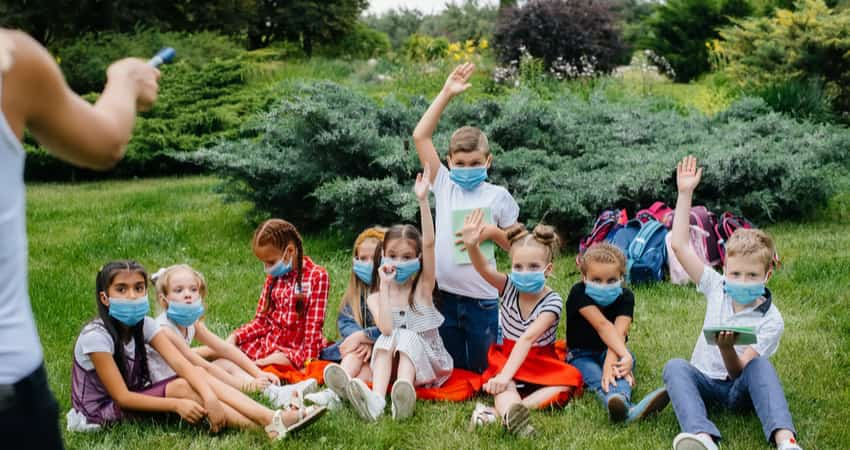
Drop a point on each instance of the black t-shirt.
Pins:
(580, 333)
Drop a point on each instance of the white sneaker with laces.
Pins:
(281, 396)
(690, 441)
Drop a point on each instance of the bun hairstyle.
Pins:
(120, 332)
(279, 234)
(356, 288)
(542, 236)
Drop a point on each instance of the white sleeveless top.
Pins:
(20, 349)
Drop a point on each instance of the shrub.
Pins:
(462, 21)
(559, 30)
(419, 47)
(84, 59)
(399, 24)
(809, 43)
(361, 43)
(679, 30)
(330, 157)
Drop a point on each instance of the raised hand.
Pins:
(458, 81)
(688, 175)
(422, 183)
(473, 225)
(136, 74)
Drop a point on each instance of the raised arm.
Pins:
(473, 224)
(93, 136)
(428, 276)
(457, 82)
(687, 179)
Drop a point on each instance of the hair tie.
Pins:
(158, 274)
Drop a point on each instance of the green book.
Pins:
(460, 256)
(746, 335)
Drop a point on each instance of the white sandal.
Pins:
(482, 415)
(306, 416)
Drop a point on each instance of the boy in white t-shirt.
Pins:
(733, 376)
(469, 304)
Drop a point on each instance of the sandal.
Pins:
(306, 416)
(482, 415)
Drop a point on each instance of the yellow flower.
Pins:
(456, 57)
(482, 44)
(58, 60)
(470, 43)
(454, 47)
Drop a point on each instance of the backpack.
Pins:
(727, 225)
(674, 267)
(706, 221)
(658, 211)
(647, 253)
(608, 222)
(643, 245)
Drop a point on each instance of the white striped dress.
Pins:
(416, 333)
(512, 323)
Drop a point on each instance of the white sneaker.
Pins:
(337, 380)
(482, 415)
(403, 396)
(326, 398)
(281, 396)
(368, 404)
(789, 444)
(690, 441)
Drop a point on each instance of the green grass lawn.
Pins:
(74, 229)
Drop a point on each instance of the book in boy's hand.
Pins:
(745, 335)
(461, 256)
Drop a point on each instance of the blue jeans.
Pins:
(589, 363)
(470, 328)
(757, 387)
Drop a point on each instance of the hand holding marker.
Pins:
(164, 56)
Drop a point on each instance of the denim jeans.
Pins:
(589, 363)
(757, 387)
(470, 328)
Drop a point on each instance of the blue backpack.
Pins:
(645, 250)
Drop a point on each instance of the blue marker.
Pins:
(163, 56)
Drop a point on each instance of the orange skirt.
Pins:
(541, 367)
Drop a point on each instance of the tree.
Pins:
(309, 22)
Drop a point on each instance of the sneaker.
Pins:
(403, 398)
(337, 380)
(308, 386)
(281, 396)
(654, 402)
(689, 441)
(368, 404)
(617, 408)
(516, 419)
(788, 444)
(482, 415)
(326, 398)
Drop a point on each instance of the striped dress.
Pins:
(416, 334)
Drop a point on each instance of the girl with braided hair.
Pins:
(287, 327)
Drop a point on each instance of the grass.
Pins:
(73, 229)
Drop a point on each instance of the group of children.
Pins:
(420, 304)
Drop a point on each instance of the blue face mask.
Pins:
(468, 178)
(528, 282)
(743, 293)
(185, 314)
(128, 311)
(279, 269)
(603, 294)
(363, 270)
(403, 270)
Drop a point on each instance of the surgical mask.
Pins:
(129, 311)
(468, 178)
(403, 269)
(185, 314)
(279, 269)
(528, 282)
(603, 294)
(743, 293)
(363, 270)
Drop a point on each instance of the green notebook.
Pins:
(487, 247)
(746, 335)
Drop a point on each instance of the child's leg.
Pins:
(365, 373)
(231, 368)
(351, 364)
(382, 366)
(406, 370)
(546, 396)
(480, 323)
(507, 398)
(688, 389)
(759, 385)
(588, 363)
(180, 388)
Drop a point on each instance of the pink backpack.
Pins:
(706, 221)
(608, 221)
(696, 240)
(658, 211)
(727, 225)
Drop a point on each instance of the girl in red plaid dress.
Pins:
(287, 327)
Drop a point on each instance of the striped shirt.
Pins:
(512, 323)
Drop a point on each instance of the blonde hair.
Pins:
(468, 139)
(543, 236)
(750, 241)
(162, 278)
(604, 253)
(356, 287)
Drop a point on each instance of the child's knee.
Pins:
(180, 388)
(674, 368)
(759, 365)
